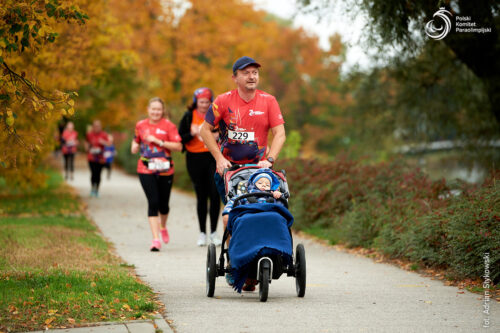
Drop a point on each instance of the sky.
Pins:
(336, 22)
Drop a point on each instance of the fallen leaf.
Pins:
(48, 321)
(71, 320)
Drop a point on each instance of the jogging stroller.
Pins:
(261, 245)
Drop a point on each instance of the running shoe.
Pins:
(215, 239)
(202, 239)
(164, 235)
(229, 279)
(249, 285)
(155, 246)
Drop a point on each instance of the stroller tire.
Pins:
(211, 270)
(264, 277)
(300, 270)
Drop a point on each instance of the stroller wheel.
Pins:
(300, 270)
(211, 270)
(264, 277)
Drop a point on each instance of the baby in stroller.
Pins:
(262, 180)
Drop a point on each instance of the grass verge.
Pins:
(56, 271)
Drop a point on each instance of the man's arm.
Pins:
(213, 147)
(279, 138)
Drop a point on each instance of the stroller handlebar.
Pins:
(261, 194)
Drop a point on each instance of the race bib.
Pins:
(95, 150)
(157, 164)
(241, 136)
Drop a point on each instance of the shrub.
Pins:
(399, 211)
(473, 229)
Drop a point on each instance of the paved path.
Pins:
(345, 293)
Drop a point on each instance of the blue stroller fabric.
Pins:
(258, 229)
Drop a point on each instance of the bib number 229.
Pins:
(241, 136)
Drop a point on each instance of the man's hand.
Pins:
(151, 138)
(222, 164)
(264, 164)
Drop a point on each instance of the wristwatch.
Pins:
(270, 160)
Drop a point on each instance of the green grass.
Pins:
(56, 270)
(54, 199)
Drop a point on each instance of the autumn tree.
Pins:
(49, 48)
(303, 77)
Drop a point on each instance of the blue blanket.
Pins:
(257, 230)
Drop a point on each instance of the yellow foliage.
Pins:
(169, 55)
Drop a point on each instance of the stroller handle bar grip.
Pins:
(235, 167)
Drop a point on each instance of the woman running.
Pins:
(69, 142)
(155, 138)
(200, 164)
(95, 142)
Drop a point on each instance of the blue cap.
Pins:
(244, 62)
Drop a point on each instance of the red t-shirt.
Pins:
(70, 142)
(244, 126)
(96, 149)
(155, 159)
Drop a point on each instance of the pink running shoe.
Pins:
(155, 246)
(164, 235)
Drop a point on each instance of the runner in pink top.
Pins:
(95, 142)
(155, 138)
(69, 147)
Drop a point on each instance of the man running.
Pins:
(244, 117)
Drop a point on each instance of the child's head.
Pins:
(263, 182)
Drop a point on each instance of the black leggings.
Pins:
(201, 168)
(157, 189)
(69, 162)
(95, 171)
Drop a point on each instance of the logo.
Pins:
(440, 31)
(159, 131)
(255, 113)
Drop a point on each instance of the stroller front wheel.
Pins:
(211, 270)
(264, 280)
(300, 270)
